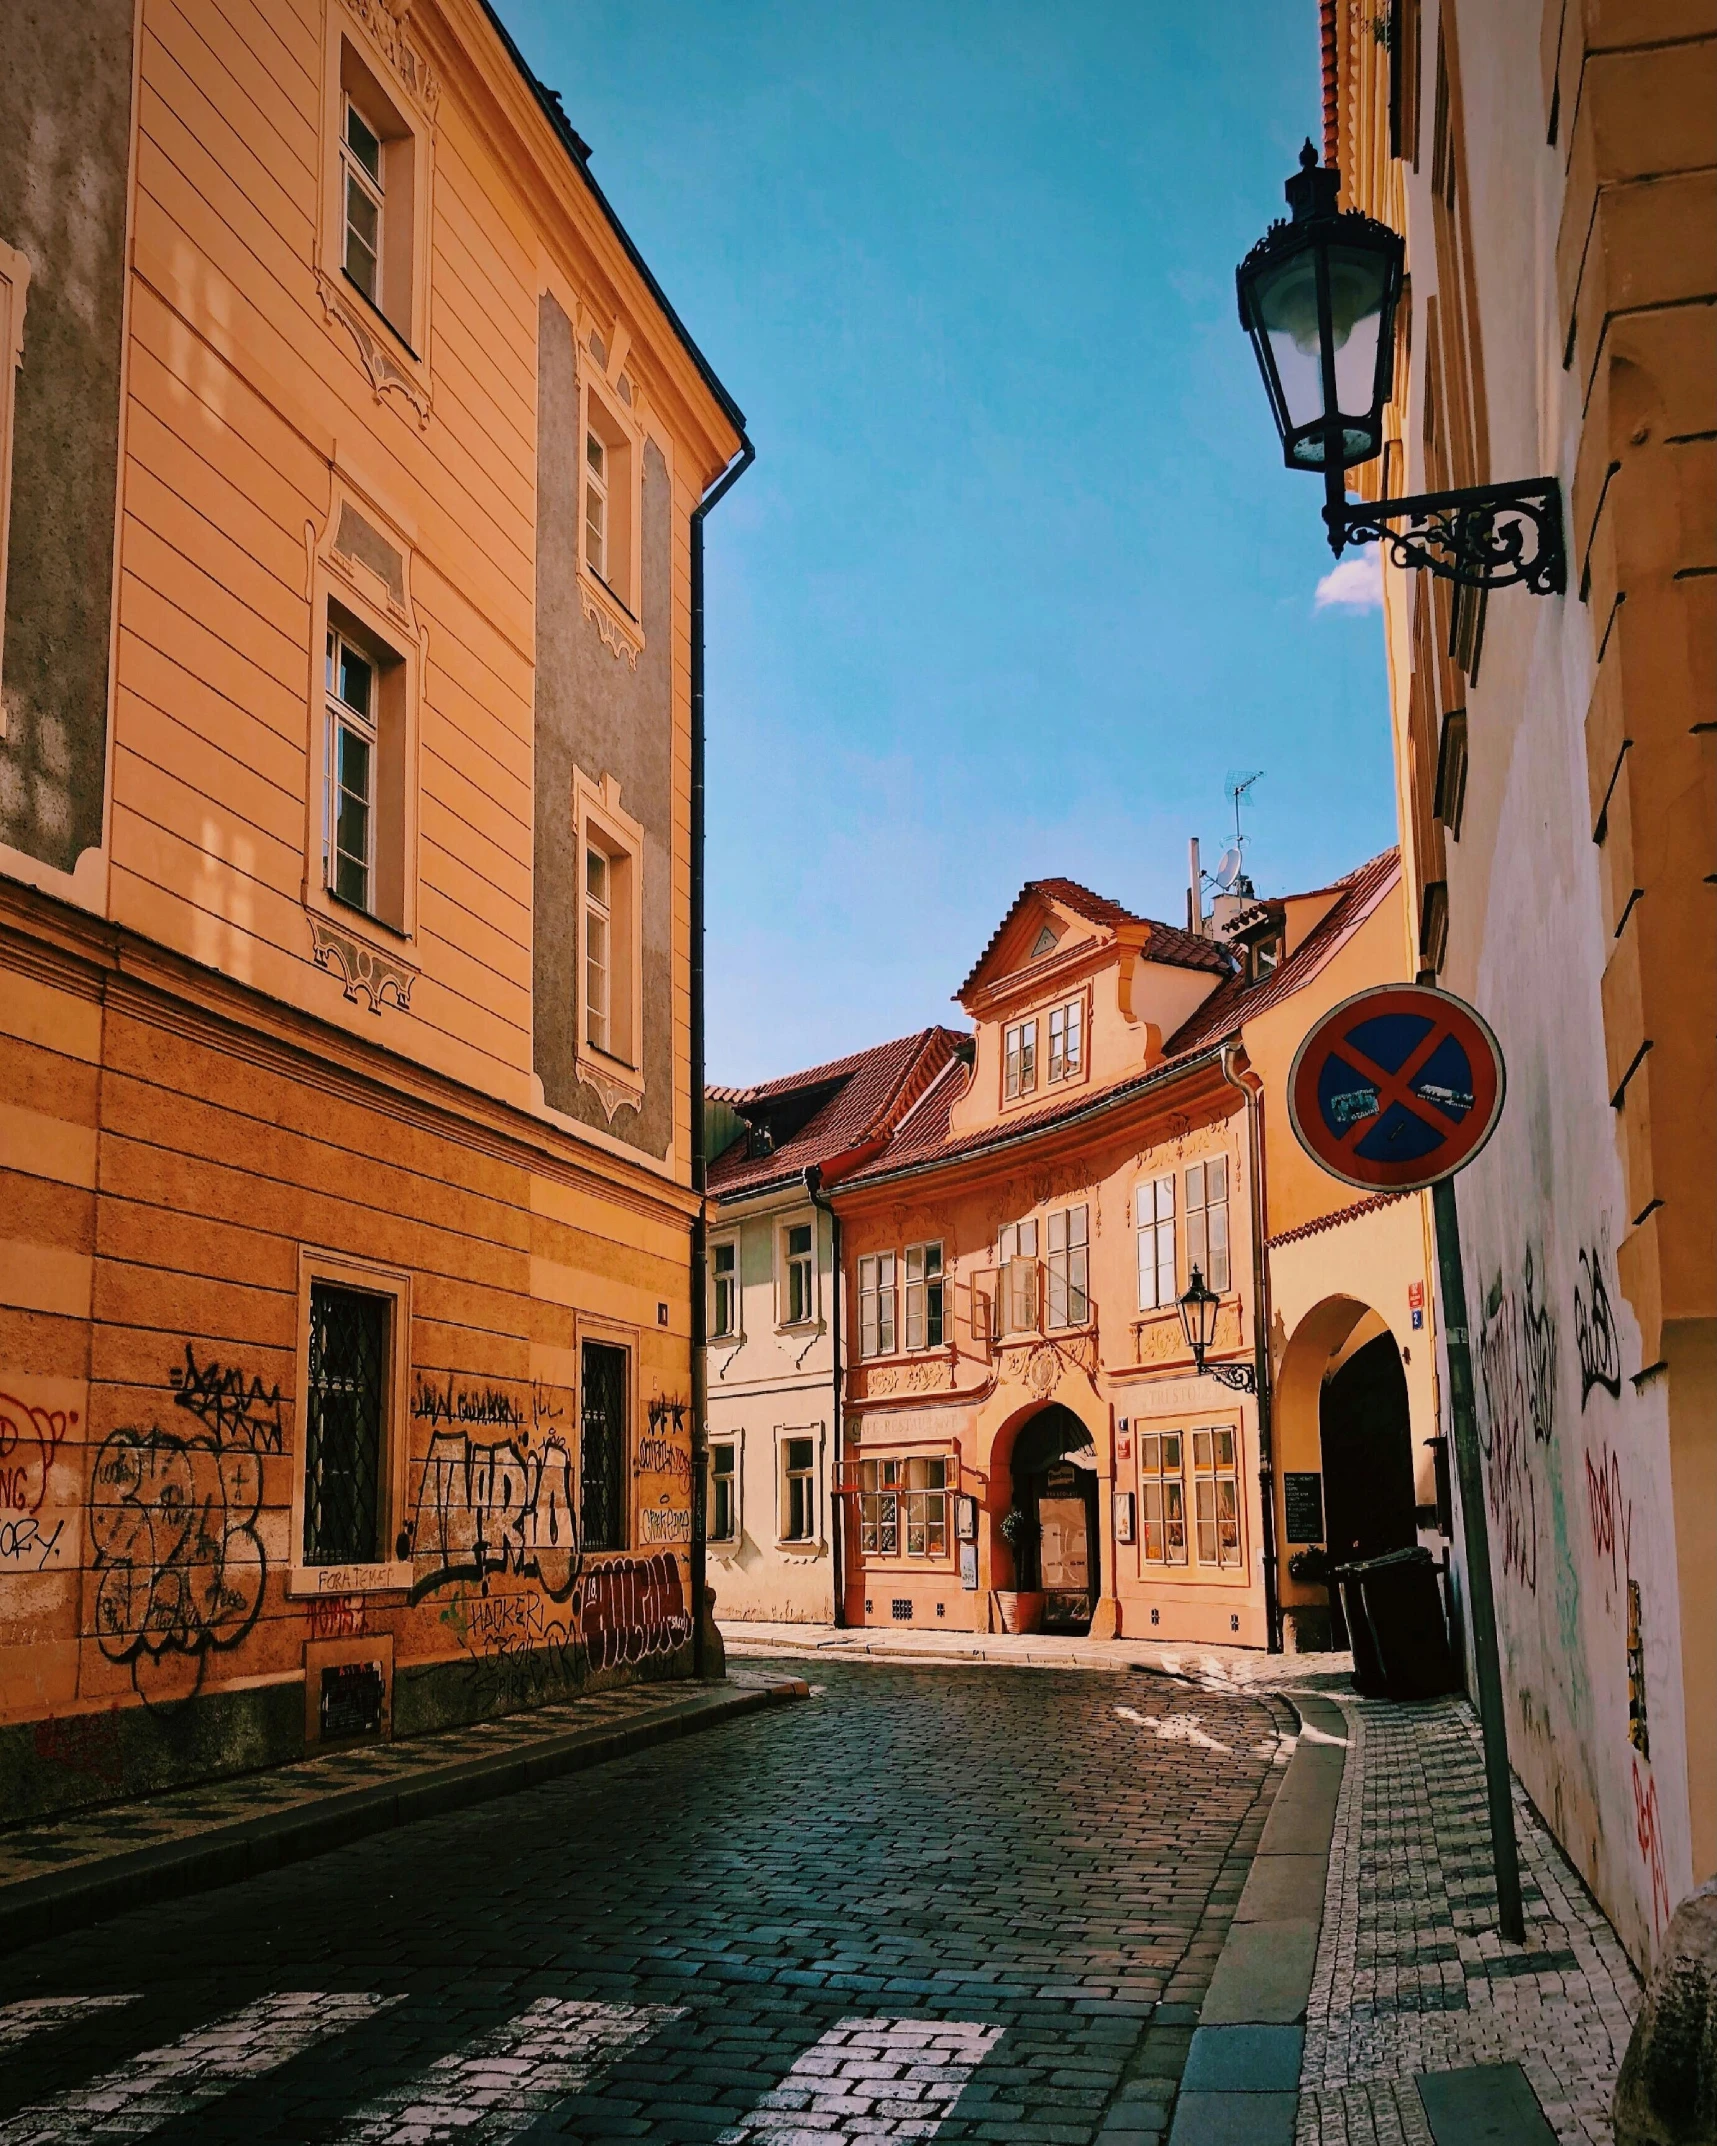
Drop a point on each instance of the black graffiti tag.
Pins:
(493, 1508)
(1595, 1340)
(237, 1412)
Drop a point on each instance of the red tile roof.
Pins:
(867, 1092)
(1367, 1206)
(922, 1135)
(1167, 943)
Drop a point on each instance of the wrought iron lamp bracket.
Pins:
(1239, 1378)
(1485, 537)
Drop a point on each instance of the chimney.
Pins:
(1194, 898)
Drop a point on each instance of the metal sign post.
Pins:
(1395, 1090)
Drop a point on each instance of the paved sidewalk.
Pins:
(90, 1863)
(1411, 1976)
(1213, 1667)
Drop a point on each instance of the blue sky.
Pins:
(1018, 577)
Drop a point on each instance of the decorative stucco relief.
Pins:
(386, 376)
(360, 966)
(387, 31)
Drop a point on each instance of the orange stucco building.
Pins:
(353, 463)
(1013, 1257)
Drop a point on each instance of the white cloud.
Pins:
(1355, 584)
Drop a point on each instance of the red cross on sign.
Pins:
(1396, 1087)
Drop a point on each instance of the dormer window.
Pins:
(1019, 1049)
(1066, 1041)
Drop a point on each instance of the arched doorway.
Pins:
(1367, 1454)
(1055, 1484)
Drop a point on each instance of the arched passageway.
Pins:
(1055, 1485)
(1367, 1454)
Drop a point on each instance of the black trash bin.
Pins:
(1394, 1612)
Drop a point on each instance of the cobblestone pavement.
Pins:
(969, 1904)
(1411, 1975)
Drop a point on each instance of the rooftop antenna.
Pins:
(1233, 861)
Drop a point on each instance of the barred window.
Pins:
(1162, 1496)
(1154, 1213)
(879, 1507)
(345, 1417)
(1216, 1490)
(924, 1288)
(1207, 1221)
(876, 1305)
(1068, 1302)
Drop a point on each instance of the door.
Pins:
(1065, 1559)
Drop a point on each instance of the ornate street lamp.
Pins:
(1317, 296)
(1198, 1308)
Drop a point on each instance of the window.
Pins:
(876, 1305)
(924, 1286)
(1016, 1255)
(602, 1446)
(926, 1507)
(879, 1507)
(361, 174)
(725, 1263)
(1162, 1494)
(596, 506)
(798, 1297)
(723, 1493)
(1153, 1206)
(598, 948)
(798, 1490)
(1069, 1304)
(349, 836)
(1020, 1059)
(1207, 1221)
(14, 291)
(345, 1418)
(1066, 1026)
(1216, 1489)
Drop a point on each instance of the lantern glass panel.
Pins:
(1358, 288)
(1287, 311)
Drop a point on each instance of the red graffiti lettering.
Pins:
(1611, 1515)
(1650, 1837)
(633, 1609)
(29, 1439)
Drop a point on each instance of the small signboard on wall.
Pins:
(1303, 1495)
(966, 1520)
(1123, 1516)
(969, 1567)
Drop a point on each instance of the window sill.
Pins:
(801, 1326)
(388, 1577)
(616, 1083)
(368, 303)
(802, 1546)
(620, 630)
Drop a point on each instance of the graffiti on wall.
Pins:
(1648, 1830)
(634, 1608)
(1595, 1339)
(173, 1531)
(664, 1448)
(516, 1647)
(496, 1506)
(32, 1538)
(1517, 1380)
(488, 1407)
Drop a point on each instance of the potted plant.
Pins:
(1022, 1606)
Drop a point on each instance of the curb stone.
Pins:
(57, 1901)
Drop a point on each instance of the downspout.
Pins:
(837, 1512)
(700, 1159)
(1252, 1088)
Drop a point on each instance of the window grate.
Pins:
(602, 1447)
(901, 1610)
(343, 1439)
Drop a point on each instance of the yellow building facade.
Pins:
(1554, 170)
(352, 460)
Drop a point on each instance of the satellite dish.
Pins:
(1228, 868)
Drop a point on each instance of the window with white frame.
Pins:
(598, 948)
(1216, 1494)
(926, 1506)
(1069, 1302)
(378, 141)
(610, 847)
(1066, 1041)
(349, 819)
(1019, 1059)
(924, 1296)
(610, 484)
(1153, 1207)
(879, 1507)
(363, 202)
(723, 1491)
(1207, 1221)
(798, 1276)
(596, 505)
(798, 1490)
(1162, 1497)
(724, 1279)
(1016, 1256)
(876, 1304)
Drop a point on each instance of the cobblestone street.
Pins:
(974, 1904)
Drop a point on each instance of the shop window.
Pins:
(1066, 1041)
(723, 1491)
(1153, 1207)
(1016, 1255)
(876, 1304)
(879, 1507)
(602, 1446)
(1019, 1059)
(346, 1426)
(1207, 1221)
(924, 1288)
(1162, 1497)
(1069, 1304)
(926, 1507)
(724, 1266)
(798, 1490)
(798, 1276)
(1216, 1493)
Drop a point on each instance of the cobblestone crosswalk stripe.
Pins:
(497, 2086)
(150, 2090)
(35, 2015)
(874, 2079)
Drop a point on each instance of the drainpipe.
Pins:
(700, 1159)
(1250, 1086)
(837, 1513)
